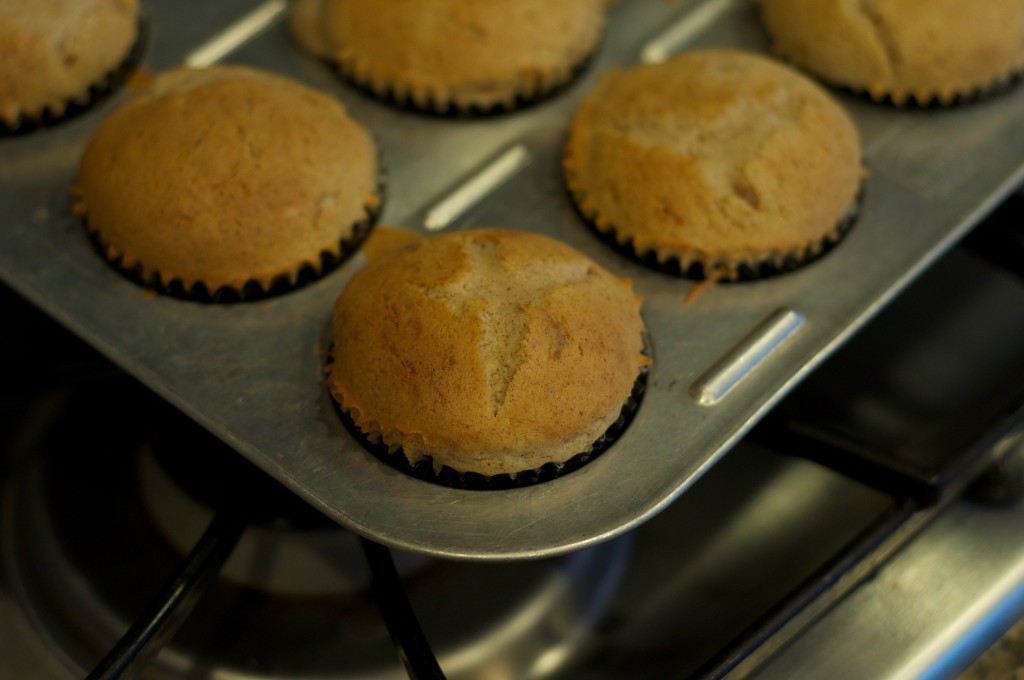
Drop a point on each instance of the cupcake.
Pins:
(717, 164)
(904, 51)
(452, 55)
(228, 182)
(487, 354)
(60, 55)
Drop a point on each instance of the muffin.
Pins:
(486, 352)
(59, 55)
(714, 164)
(452, 55)
(904, 51)
(228, 182)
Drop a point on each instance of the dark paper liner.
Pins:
(935, 102)
(447, 109)
(473, 481)
(95, 93)
(744, 271)
(252, 290)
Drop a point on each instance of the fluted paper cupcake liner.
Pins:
(426, 102)
(424, 470)
(252, 290)
(699, 266)
(928, 100)
(95, 93)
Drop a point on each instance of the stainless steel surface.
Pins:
(932, 610)
(252, 373)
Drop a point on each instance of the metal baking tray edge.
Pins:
(252, 373)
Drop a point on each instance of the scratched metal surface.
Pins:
(252, 373)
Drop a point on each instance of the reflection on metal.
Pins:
(476, 187)
(228, 40)
(689, 26)
(721, 378)
(929, 612)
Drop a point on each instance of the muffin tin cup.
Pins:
(252, 290)
(473, 481)
(935, 100)
(699, 266)
(95, 93)
(431, 106)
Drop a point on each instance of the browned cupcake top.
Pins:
(724, 156)
(925, 49)
(225, 175)
(52, 51)
(470, 53)
(491, 351)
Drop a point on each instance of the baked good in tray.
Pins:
(228, 183)
(487, 358)
(919, 52)
(714, 164)
(452, 56)
(58, 56)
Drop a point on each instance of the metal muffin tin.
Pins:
(252, 373)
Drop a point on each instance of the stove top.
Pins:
(844, 513)
(106, 488)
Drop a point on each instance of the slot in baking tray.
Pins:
(253, 373)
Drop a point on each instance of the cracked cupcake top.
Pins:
(226, 175)
(720, 156)
(921, 49)
(490, 351)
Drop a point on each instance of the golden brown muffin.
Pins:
(226, 176)
(920, 50)
(56, 53)
(726, 164)
(486, 351)
(470, 55)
